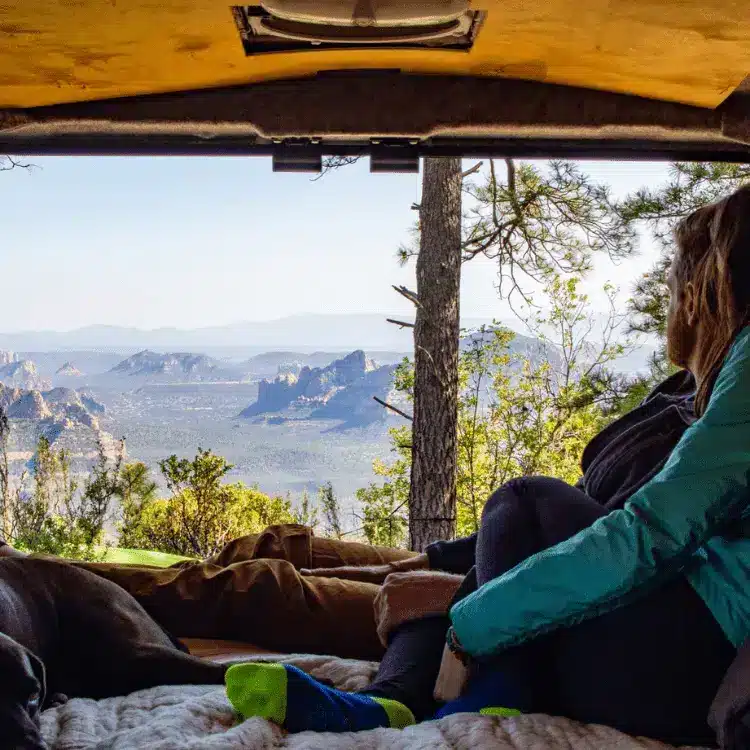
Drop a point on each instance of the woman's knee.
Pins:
(510, 492)
(548, 509)
(520, 489)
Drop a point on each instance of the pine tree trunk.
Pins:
(432, 494)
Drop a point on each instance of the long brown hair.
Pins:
(714, 253)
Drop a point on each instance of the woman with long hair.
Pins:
(629, 616)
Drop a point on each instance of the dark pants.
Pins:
(651, 667)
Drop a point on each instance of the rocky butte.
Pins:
(342, 390)
(175, 366)
(20, 373)
(67, 418)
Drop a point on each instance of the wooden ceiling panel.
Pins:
(57, 51)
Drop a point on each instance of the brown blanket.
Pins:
(252, 592)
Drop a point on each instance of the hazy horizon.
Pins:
(230, 324)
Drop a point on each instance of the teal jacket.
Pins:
(691, 519)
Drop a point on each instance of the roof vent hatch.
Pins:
(297, 25)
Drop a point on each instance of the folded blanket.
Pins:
(200, 718)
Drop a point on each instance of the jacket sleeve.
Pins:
(703, 486)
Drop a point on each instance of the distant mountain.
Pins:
(294, 333)
(630, 363)
(68, 369)
(174, 366)
(342, 390)
(637, 360)
(520, 344)
(269, 364)
(299, 339)
(355, 405)
(56, 365)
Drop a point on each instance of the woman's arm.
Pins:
(703, 486)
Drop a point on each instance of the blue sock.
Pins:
(490, 692)
(289, 697)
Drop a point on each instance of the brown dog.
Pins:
(65, 631)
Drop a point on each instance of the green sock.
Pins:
(290, 698)
(499, 711)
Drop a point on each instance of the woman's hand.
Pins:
(451, 679)
(454, 646)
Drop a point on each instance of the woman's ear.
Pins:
(39, 672)
(690, 304)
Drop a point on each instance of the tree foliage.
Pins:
(307, 513)
(53, 510)
(690, 185)
(331, 510)
(136, 491)
(6, 489)
(539, 221)
(537, 224)
(520, 413)
(201, 514)
(48, 509)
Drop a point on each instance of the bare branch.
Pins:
(471, 171)
(511, 167)
(330, 163)
(393, 408)
(399, 323)
(10, 162)
(411, 296)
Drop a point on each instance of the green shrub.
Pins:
(202, 514)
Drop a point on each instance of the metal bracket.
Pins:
(297, 155)
(394, 155)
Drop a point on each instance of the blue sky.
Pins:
(195, 242)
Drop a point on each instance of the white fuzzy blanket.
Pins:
(200, 718)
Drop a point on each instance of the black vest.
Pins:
(629, 452)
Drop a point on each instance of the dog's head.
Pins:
(22, 692)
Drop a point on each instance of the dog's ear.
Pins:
(40, 673)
